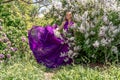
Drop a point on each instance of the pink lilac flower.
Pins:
(2, 56)
(0, 28)
(5, 40)
(4, 35)
(8, 55)
(13, 49)
(23, 38)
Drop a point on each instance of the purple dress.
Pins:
(47, 48)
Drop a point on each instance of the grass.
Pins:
(79, 72)
(28, 69)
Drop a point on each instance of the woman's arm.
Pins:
(62, 25)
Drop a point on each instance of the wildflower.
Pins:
(2, 56)
(96, 44)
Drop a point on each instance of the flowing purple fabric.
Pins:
(47, 48)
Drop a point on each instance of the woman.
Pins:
(46, 47)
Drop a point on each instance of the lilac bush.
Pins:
(13, 42)
(96, 33)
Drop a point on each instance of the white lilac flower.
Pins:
(82, 29)
(64, 32)
(86, 35)
(104, 42)
(60, 17)
(104, 28)
(74, 26)
(84, 16)
(66, 59)
(70, 52)
(105, 19)
(95, 20)
(114, 49)
(77, 17)
(57, 33)
(92, 33)
(73, 55)
(72, 38)
(76, 48)
(96, 44)
(87, 41)
(62, 54)
(91, 25)
(57, 5)
(115, 31)
(101, 34)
